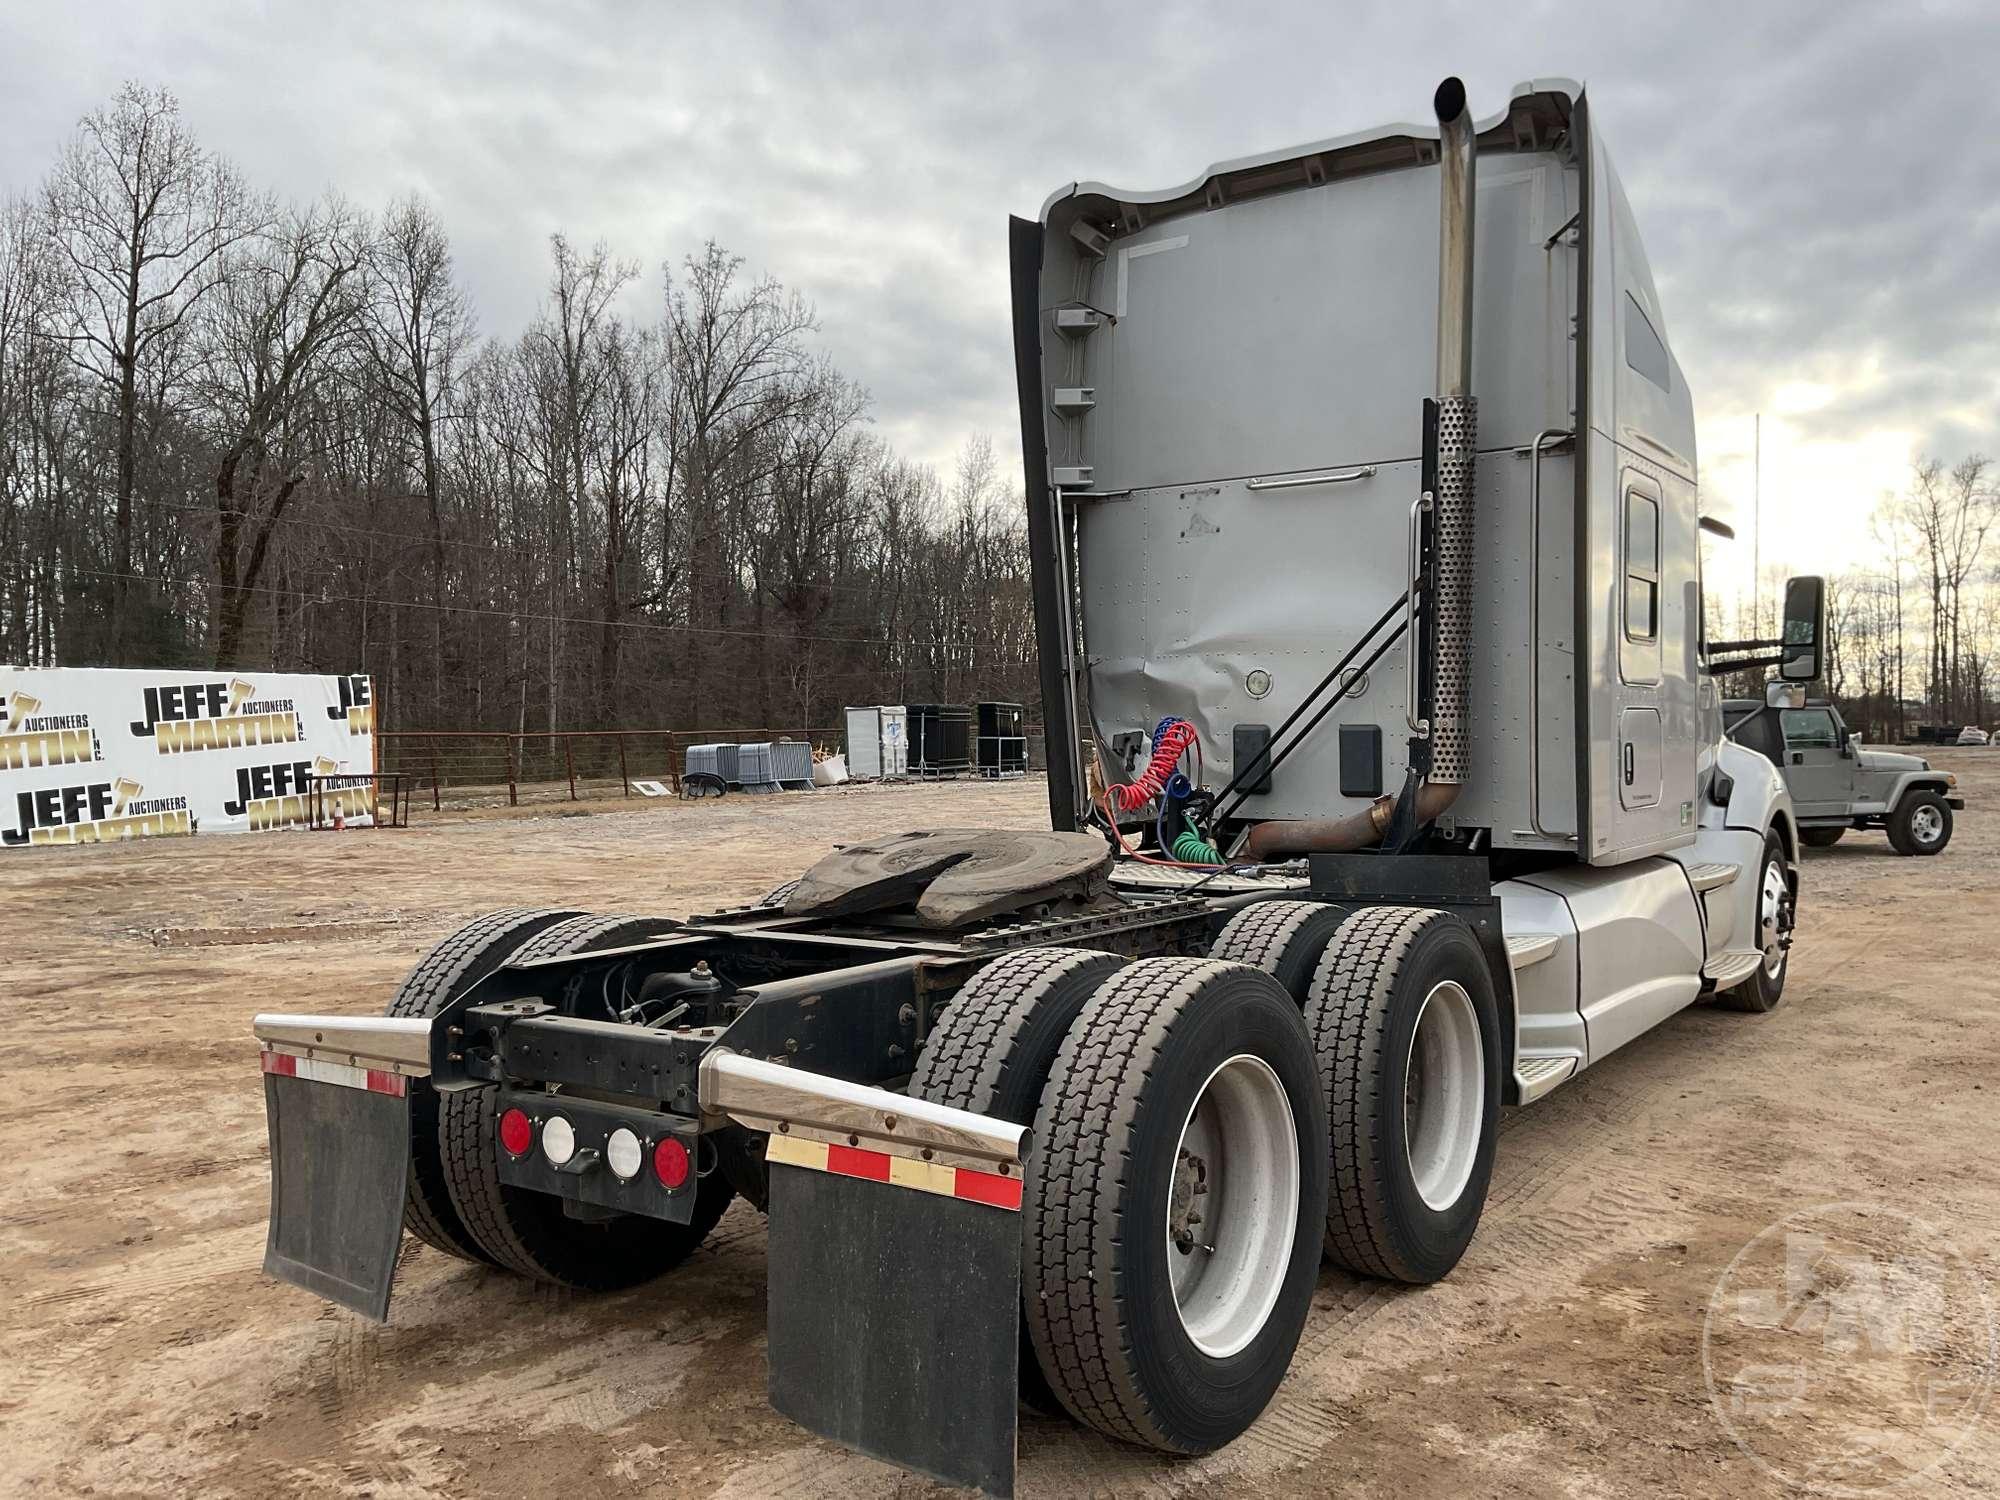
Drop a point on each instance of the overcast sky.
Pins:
(1818, 184)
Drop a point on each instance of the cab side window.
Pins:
(1640, 541)
(1809, 729)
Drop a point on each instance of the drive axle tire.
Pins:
(1921, 824)
(528, 1232)
(440, 977)
(1776, 908)
(1820, 838)
(1407, 1037)
(1173, 1203)
(990, 1051)
(1283, 938)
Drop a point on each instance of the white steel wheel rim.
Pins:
(1233, 1206)
(1770, 911)
(1444, 1095)
(1926, 824)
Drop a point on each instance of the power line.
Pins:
(314, 597)
(537, 554)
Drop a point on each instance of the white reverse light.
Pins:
(558, 1140)
(624, 1153)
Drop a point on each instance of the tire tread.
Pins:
(451, 967)
(467, 1126)
(1348, 1021)
(971, 1047)
(1266, 935)
(1091, 1104)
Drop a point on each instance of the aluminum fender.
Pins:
(1758, 799)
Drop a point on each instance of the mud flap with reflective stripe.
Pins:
(895, 1294)
(340, 1165)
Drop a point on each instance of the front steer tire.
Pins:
(1921, 824)
(1108, 1171)
(1820, 838)
(528, 1232)
(1375, 986)
(451, 968)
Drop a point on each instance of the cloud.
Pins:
(1819, 186)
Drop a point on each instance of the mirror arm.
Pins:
(1744, 645)
(1713, 668)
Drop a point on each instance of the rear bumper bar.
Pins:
(761, 1096)
(389, 1044)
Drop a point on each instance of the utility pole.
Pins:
(1757, 524)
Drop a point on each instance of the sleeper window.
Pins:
(1644, 349)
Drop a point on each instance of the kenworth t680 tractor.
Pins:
(1387, 787)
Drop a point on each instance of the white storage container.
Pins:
(878, 742)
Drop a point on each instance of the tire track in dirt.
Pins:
(1539, 1156)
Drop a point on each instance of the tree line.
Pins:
(242, 433)
(1913, 637)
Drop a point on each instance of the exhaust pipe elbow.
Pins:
(1288, 840)
(1273, 841)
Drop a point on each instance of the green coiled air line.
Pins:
(1192, 849)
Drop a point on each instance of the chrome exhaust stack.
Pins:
(1451, 437)
(1457, 439)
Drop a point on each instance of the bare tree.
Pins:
(1951, 512)
(737, 356)
(419, 326)
(145, 218)
(233, 435)
(292, 307)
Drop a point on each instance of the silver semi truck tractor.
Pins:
(1387, 787)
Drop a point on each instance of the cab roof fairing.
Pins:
(1537, 114)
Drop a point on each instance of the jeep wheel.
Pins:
(1921, 824)
(1820, 838)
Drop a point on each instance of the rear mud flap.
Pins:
(895, 1312)
(340, 1165)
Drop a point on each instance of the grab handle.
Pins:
(1412, 639)
(1330, 476)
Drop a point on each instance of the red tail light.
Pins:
(670, 1163)
(517, 1132)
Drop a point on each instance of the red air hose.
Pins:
(1169, 745)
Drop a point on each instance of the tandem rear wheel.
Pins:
(1200, 1138)
(1406, 1034)
(1173, 1202)
(530, 1232)
(456, 1201)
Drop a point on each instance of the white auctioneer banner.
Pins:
(90, 755)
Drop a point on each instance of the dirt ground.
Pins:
(146, 1354)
